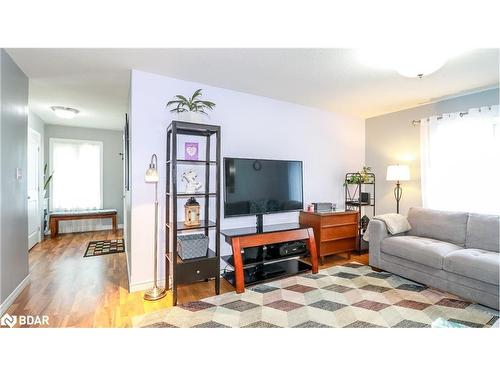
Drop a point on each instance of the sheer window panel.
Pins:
(77, 182)
(460, 157)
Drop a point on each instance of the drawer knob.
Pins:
(197, 272)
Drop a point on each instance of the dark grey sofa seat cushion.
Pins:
(427, 251)
(483, 232)
(474, 263)
(440, 225)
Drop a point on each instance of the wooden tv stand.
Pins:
(242, 238)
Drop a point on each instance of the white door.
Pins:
(34, 216)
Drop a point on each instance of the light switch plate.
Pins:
(19, 174)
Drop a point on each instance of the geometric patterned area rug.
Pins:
(352, 296)
(103, 247)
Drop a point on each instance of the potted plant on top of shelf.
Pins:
(363, 176)
(191, 109)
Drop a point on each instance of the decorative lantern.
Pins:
(364, 222)
(192, 213)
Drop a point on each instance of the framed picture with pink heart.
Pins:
(191, 150)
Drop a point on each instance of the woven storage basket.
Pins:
(192, 246)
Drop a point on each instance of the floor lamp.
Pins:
(398, 173)
(152, 177)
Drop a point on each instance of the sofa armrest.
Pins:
(377, 232)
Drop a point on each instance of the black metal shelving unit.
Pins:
(353, 201)
(204, 268)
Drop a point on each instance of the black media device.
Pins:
(365, 198)
(292, 248)
(260, 186)
(323, 207)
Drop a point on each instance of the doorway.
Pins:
(34, 217)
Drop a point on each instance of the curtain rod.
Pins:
(440, 116)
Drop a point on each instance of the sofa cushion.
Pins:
(483, 232)
(427, 251)
(474, 263)
(440, 225)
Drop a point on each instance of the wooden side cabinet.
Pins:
(335, 232)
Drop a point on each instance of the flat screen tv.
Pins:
(258, 186)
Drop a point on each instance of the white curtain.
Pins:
(77, 179)
(460, 161)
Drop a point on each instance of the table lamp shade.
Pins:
(398, 173)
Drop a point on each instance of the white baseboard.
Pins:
(107, 227)
(12, 297)
(137, 287)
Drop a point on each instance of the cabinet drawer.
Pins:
(191, 271)
(340, 231)
(338, 246)
(339, 219)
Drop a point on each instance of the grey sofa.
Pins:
(456, 252)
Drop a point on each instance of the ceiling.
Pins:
(96, 81)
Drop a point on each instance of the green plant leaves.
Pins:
(47, 182)
(45, 178)
(183, 104)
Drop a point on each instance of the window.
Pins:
(77, 181)
(460, 158)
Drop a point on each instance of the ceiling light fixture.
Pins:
(419, 66)
(65, 112)
(409, 63)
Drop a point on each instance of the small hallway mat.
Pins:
(104, 247)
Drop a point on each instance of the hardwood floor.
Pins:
(93, 292)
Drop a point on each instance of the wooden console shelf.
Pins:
(248, 237)
(56, 217)
(335, 232)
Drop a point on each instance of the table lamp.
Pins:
(398, 173)
(152, 177)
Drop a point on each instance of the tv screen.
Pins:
(257, 186)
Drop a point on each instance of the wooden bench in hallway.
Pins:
(56, 217)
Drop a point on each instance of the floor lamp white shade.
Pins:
(398, 173)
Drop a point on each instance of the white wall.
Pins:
(329, 145)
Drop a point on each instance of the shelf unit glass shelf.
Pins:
(186, 195)
(202, 162)
(229, 260)
(183, 227)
